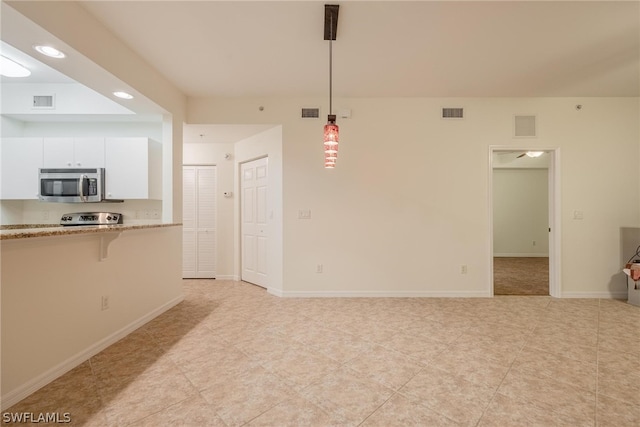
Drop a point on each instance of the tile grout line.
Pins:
(507, 373)
(397, 392)
(96, 388)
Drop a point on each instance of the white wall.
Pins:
(10, 127)
(151, 129)
(408, 201)
(11, 212)
(520, 212)
(69, 98)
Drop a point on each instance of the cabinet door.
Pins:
(73, 152)
(88, 152)
(127, 166)
(21, 158)
(58, 153)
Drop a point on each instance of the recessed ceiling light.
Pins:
(10, 68)
(49, 51)
(123, 95)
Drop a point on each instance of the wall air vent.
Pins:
(310, 113)
(43, 102)
(524, 126)
(453, 113)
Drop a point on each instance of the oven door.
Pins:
(71, 186)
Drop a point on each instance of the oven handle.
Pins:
(81, 187)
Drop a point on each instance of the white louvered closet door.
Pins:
(199, 222)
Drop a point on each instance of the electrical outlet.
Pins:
(319, 268)
(463, 269)
(534, 243)
(105, 303)
(304, 214)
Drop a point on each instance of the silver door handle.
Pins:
(80, 187)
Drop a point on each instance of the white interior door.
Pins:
(254, 230)
(199, 222)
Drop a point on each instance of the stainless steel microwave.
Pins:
(71, 185)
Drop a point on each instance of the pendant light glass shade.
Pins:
(330, 160)
(331, 137)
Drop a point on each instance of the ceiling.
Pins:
(383, 49)
(386, 48)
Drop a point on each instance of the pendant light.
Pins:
(331, 130)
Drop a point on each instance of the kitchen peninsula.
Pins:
(70, 292)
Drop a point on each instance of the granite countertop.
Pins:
(23, 231)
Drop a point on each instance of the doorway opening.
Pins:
(524, 219)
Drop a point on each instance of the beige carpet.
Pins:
(521, 276)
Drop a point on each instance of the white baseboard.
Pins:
(226, 277)
(381, 294)
(16, 395)
(521, 255)
(602, 295)
(276, 292)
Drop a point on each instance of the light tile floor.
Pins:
(232, 355)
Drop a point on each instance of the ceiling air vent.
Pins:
(524, 126)
(43, 101)
(453, 113)
(310, 113)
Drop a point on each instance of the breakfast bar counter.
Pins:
(24, 231)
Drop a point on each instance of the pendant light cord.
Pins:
(330, 78)
(331, 67)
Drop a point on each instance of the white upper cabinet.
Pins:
(133, 168)
(74, 152)
(21, 158)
